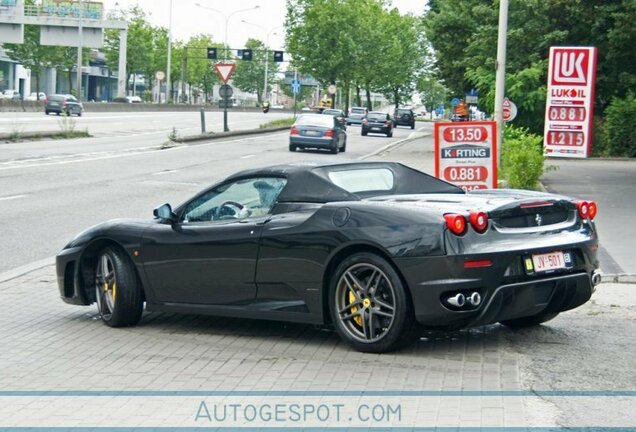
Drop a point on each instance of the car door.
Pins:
(208, 256)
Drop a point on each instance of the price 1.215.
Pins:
(565, 138)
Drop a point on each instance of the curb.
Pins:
(622, 278)
(25, 269)
(213, 135)
(394, 144)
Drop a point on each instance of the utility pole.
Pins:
(500, 83)
(168, 67)
(79, 52)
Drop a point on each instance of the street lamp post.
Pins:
(79, 52)
(268, 33)
(227, 20)
(500, 81)
(168, 66)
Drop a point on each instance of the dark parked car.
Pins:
(404, 117)
(377, 122)
(356, 115)
(63, 103)
(371, 247)
(318, 131)
(338, 114)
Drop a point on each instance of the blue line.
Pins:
(309, 393)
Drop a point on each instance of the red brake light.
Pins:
(294, 131)
(329, 133)
(456, 223)
(584, 209)
(592, 209)
(479, 221)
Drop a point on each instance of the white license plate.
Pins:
(550, 261)
(313, 133)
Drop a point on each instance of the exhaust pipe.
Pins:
(596, 277)
(474, 299)
(458, 300)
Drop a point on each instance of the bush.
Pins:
(522, 158)
(620, 127)
(278, 123)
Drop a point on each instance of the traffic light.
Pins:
(246, 54)
(211, 53)
(278, 56)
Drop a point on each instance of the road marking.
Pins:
(248, 156)
(165, 172)
(13, 197)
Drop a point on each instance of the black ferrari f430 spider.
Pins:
(376, 249)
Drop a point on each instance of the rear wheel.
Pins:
(413, 126)
(369, 305)
(364, 133)
(530, 321)
(79, 114)
(344, 145)
(292, 148)
(334, 148)
(389, 134)
(118, 294)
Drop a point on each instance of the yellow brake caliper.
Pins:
(352, 299)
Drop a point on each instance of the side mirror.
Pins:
(165, 212)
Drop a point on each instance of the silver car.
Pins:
(317, 131)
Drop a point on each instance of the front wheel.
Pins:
(117, 291)
(531, 321)
(369, 305)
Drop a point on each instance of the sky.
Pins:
(189, 19)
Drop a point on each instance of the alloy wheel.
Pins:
(365, 301)
(105, 286)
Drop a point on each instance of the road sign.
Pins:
(160, 75)
(455, 102)
(466, 154)
(331, 89)
(226, 91)
(570, 103)
(225, 71)
(295, 86)
(509, 110)
(472, 99)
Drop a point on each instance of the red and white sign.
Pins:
(570, 102)
(225, 71)
(509, 110)
(466, 154)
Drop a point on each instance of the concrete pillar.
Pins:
(50, 83)
(122, 76)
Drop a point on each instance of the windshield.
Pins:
(376, 117)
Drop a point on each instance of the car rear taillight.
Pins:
(592, 209)
(583, 208)
(479, 221)
(456, 223)
(294, 131)
(329, 133)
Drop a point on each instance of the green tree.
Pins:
(249, 76)
(31, 54)
(139, 48)
(200, 71)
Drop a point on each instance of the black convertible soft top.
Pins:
(310, 182)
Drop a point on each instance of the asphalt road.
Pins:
(612, 184)
(52, 190)
(117, 124)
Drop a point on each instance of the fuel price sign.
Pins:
(466, 154)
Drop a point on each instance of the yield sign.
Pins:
(224, 70)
